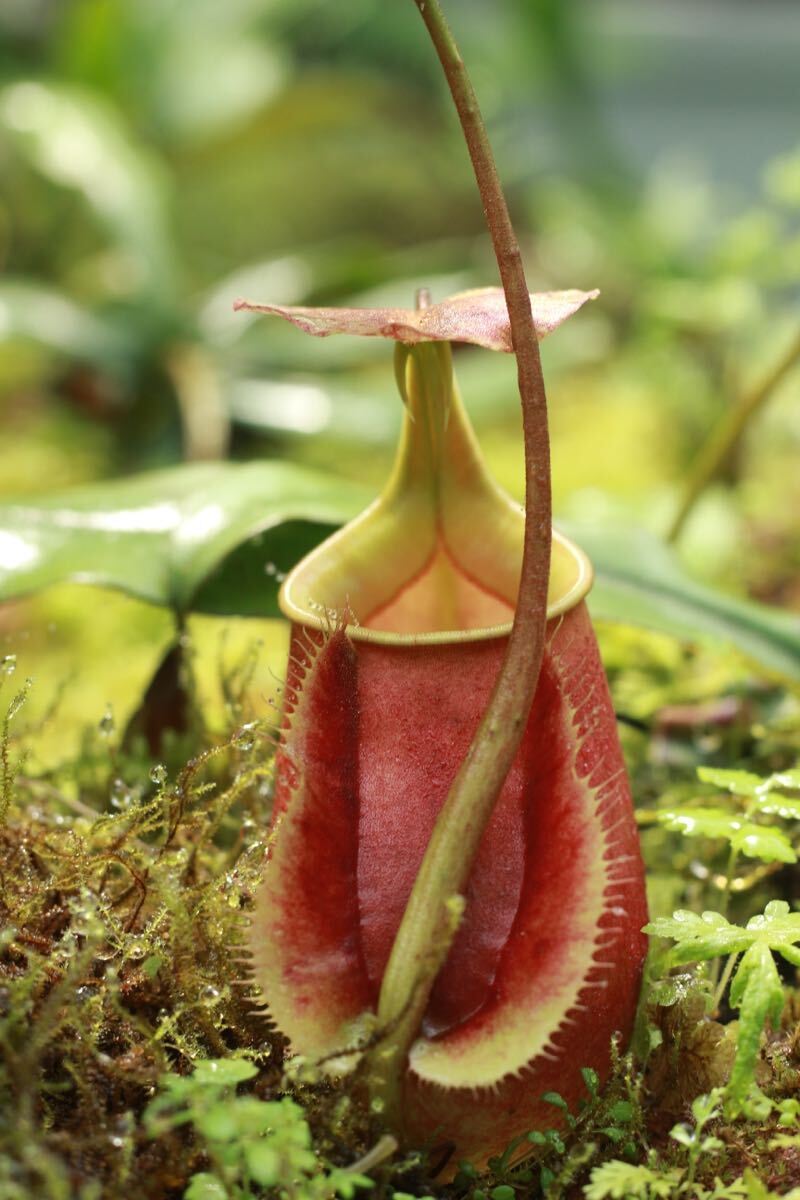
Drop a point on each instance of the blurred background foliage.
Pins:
(159, 158)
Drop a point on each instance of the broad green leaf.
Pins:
(740, 783)
(640, 581)
(755, 841)
(168, 536)
(80, 142)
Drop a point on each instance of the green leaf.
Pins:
(152, 965)
(592, 1081)
(263, 1163)
(780, 806)
(80, 142)
(617, 1180)
(739, 783)
(254, 1116)
(210, 537)
(699, 936)
(638, 580)
(755, 841)
(614, 1133)
(683, 1134)
(705, 1107)
(218, 1122)
(204, 1186)
(223, 1072)
(757, 992)
(786, 779)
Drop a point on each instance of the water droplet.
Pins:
(270, 569)
(107, 725)
(244, 739)
(210, 995)
(137, 950)
(121, 795)
(158, 774)
(8, 664)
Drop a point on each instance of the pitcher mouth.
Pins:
(313, 596)
(436, 559)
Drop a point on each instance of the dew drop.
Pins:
(107, 725)
(8, 664)
(244, 739)
(158, 774)
(121, 794)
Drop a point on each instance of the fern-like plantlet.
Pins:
(743, 830)
(756, 988)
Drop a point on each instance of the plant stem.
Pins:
(723, 983)
(430, 920)
(730, 870)
(723, 437)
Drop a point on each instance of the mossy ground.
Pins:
(126, 884)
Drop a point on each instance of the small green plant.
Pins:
(251, 1144)
(618, 1180)
(755, 986)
